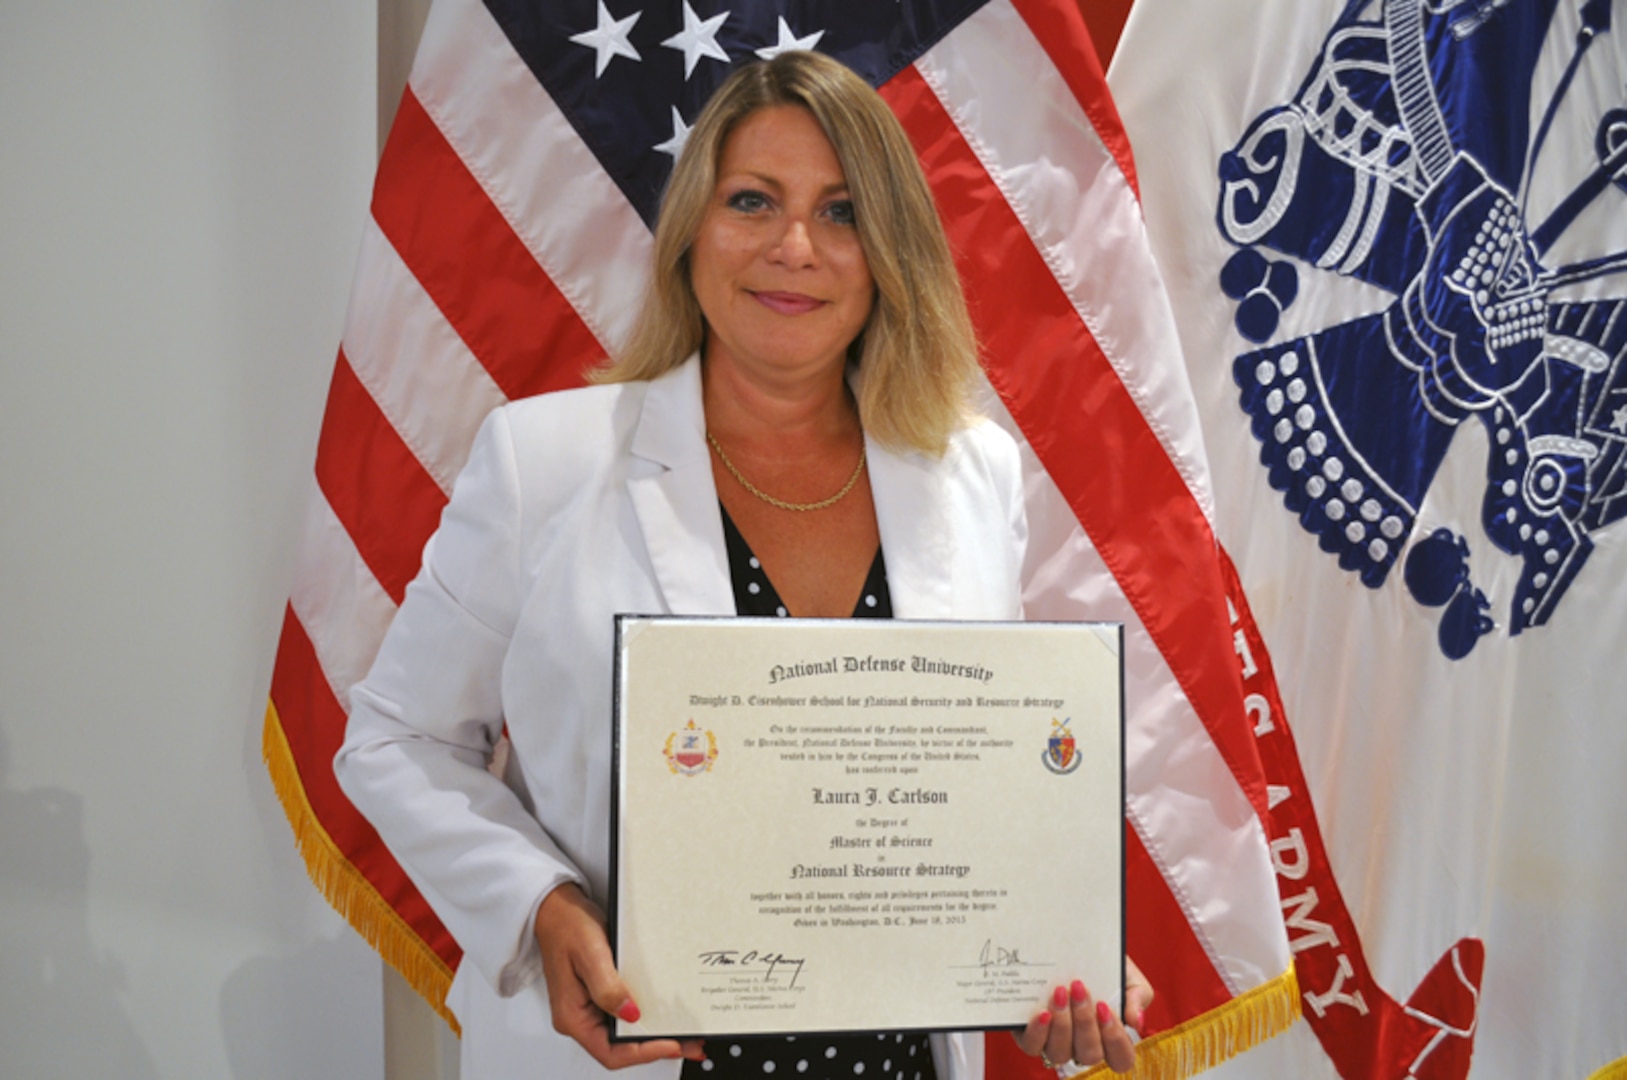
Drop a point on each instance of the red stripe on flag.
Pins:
(314, 726)
(1061, 31)
(462, 250)
(1105, 18)
(1087, 431)
(379, 491)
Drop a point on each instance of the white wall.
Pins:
(182, 189)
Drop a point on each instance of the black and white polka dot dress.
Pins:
(754, 595)
(887, 1056)
(816, 1057)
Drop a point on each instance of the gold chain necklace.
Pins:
(781, 503)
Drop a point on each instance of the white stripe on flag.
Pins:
(1066, 188)
(1207, 838)
(535, 169)
(338, 601)
(427, 383)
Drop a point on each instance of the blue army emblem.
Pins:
(690, 751)
(1405, 161)
(1061, 752)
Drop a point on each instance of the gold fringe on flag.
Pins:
(1616, 1070)
(1218, 1035)
(351, 894)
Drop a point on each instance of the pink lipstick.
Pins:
(788, 303)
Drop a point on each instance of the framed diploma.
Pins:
(854, 825)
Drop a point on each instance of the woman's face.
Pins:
(776, 264)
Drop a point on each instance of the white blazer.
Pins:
(573, 507)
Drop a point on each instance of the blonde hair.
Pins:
(917, 353)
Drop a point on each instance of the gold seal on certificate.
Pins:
(839, 825)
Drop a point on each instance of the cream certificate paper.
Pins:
(839, 825)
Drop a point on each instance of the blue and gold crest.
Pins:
(1061, 752)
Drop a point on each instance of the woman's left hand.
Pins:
(1080, 1029)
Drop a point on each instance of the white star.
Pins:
(680, 135)
(789, 41)
(1618, 420)
(698, 39)
(609, 38)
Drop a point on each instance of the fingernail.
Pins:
(1043, 1018)
(629, 1012)
(1059, 998)
(1104, 1015)
(1079, 991)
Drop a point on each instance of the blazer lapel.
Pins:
(915, 533)
(676, 502)
(675, 499)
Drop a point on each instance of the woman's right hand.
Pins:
(1087, 1033)
(584, 988)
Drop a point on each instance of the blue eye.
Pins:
(748, 201)
(842, 213)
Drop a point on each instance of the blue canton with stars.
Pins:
(631, 75)
(1405, 161)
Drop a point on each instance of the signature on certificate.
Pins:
(769, 962)
(992, 955)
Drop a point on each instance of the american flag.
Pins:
(506, 249)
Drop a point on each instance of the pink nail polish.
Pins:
(1059, 999)
(1079, 991)
(1043, 1018)
(1104, 1015)
(629, 1012)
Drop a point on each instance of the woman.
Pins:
(792, 407)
